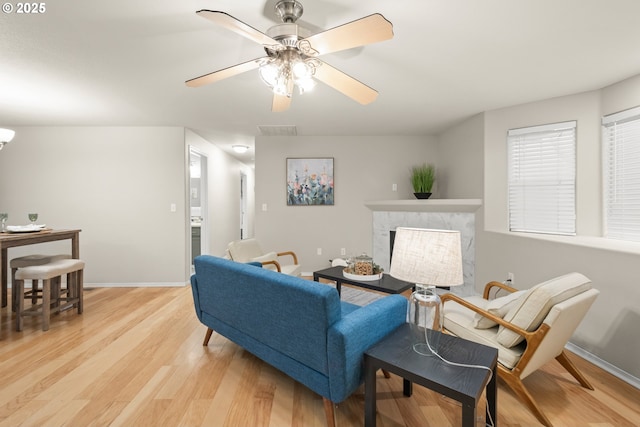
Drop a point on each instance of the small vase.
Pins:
(422, 195)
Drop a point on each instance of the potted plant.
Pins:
(422, 178)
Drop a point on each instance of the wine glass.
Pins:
(3, 221)
(33, 217)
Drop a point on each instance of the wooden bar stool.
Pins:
(50, 274)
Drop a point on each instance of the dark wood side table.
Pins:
(463, 384)
(387, 284)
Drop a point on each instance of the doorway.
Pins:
(243, 206)
(198, 217)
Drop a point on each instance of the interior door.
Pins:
(198, 218)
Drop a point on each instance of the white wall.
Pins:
(461, 160)
(365, 169)
(115, 183)
(224, 194)
(609, 331)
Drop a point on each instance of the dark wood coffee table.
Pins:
(395, 354)
(387, 284)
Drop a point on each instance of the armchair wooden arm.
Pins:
(528, 336)
(494, 284)
(295, 258)
(276, 263)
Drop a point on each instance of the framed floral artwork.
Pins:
(310, 181)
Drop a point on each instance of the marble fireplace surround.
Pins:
(444, 214)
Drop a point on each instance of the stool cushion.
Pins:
(37, 259)
(52, 269)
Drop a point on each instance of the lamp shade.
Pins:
(427, 257)
(6, 135)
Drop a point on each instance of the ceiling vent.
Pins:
(278, 130)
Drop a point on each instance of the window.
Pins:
(542, 176)
(621, 143)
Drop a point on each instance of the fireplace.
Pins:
(386, 221)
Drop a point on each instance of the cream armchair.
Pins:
(529, 328)
(249, 250)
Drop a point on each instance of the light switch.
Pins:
(173, 207)
(264, 207)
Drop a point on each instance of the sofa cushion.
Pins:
(498, 307)
(531, 309)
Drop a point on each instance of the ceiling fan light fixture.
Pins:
(269, 73)
(288, 43)
(288, 70)
(305, 84)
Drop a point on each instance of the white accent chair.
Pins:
(249, 250)
(529, 328)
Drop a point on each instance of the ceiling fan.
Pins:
(292, 53)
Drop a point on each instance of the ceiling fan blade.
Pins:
(229, 22)
(224, 73)
(280, 103)
(370, 29)
(346, 84)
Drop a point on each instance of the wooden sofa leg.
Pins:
(329, 410)
(517, 386)
(573, 370)
(207, 337)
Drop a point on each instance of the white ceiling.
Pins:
(124, 62)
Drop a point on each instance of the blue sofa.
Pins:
(298, 326)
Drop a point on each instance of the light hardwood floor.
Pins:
(135, 358)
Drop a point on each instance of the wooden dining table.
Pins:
(11, 240)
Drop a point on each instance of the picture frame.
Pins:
(310, 181)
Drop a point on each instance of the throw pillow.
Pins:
(530, 311)
(498, 307)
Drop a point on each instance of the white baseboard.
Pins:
(137, 285)
(613, 370)
(127, 285)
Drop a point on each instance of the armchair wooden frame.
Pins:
(513, 377)
(277, 264)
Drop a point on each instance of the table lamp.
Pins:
(428, 258)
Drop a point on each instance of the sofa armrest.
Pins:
(196, 296)
(352, 335)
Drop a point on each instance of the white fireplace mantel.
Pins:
(428, 205)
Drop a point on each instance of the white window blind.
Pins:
(621, 143)
(542, 176)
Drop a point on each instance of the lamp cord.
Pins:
(464, 365)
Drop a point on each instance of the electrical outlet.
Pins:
(394, 187)
(264, 207)
(343, 251)
(319, 251)
(510, 278)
